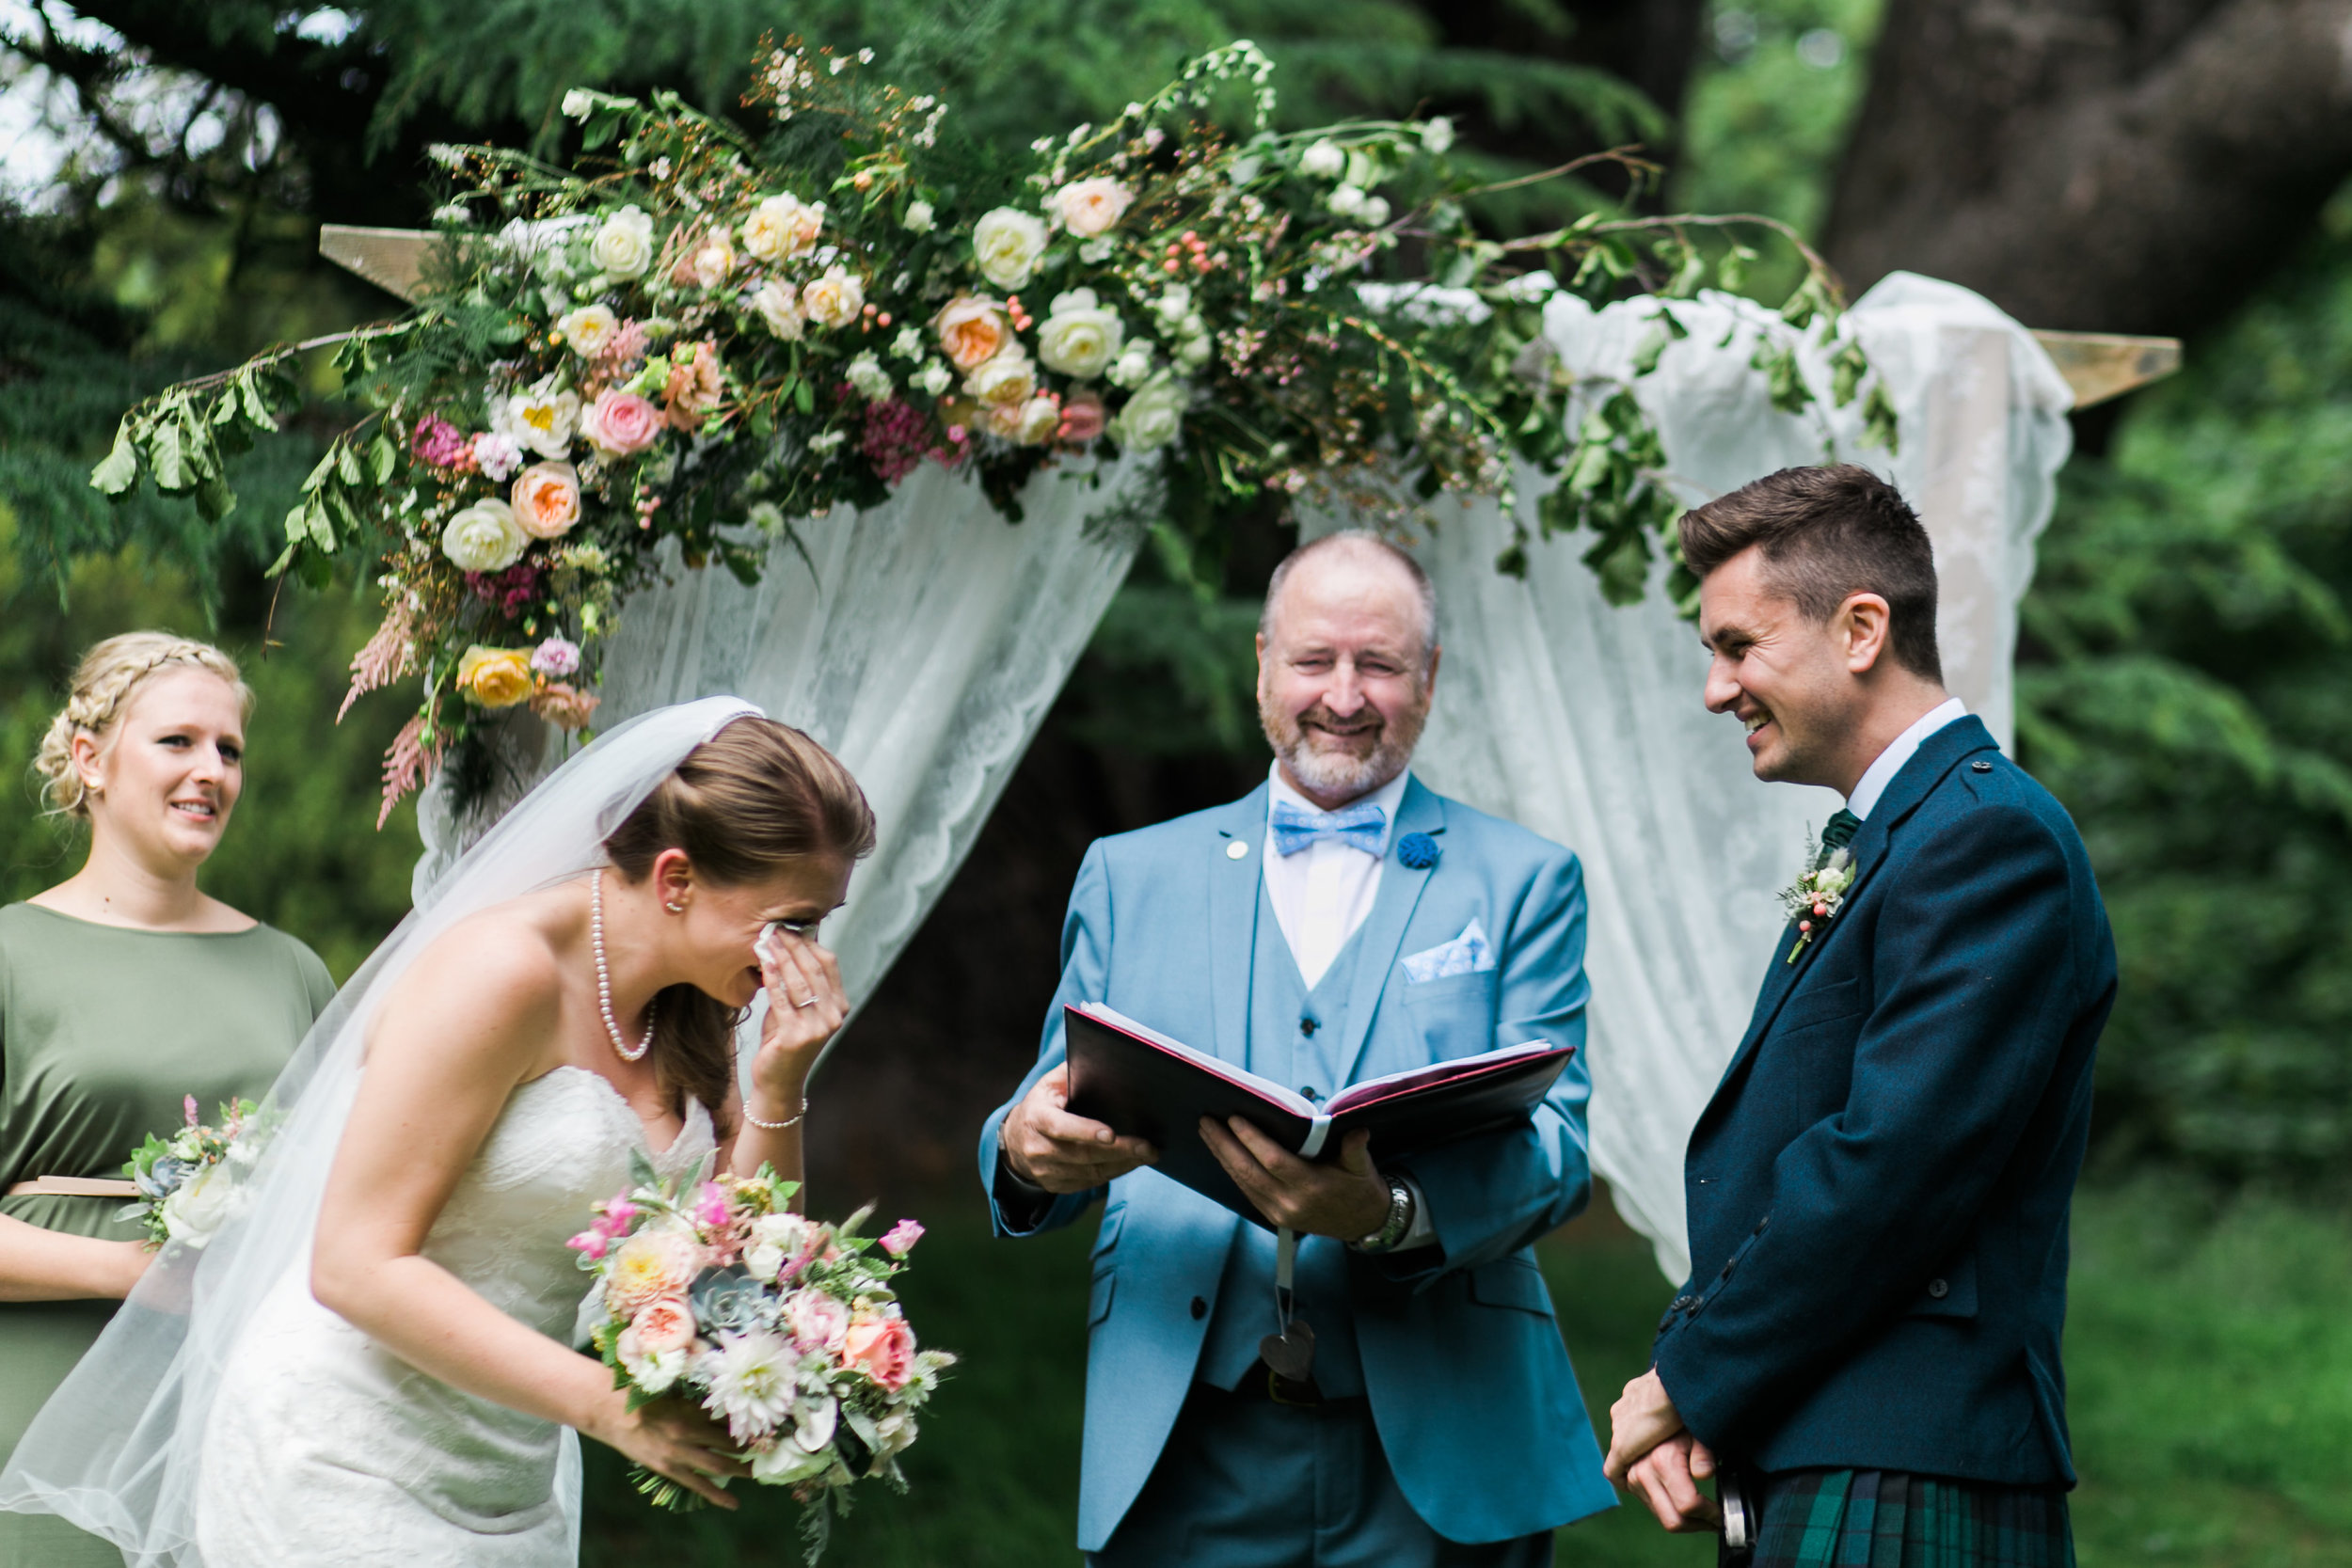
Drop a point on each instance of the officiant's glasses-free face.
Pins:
(1344, 675)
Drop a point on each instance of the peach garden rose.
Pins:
(660, 1261)
(546, 499)
(972, 331)
(881, 1347)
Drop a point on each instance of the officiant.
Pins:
(1339, 922)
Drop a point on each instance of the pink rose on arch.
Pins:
(1083, 417)
(621, 424)
(662, 1325)
(882, 1348)
(901, 1238)
(816, 1320)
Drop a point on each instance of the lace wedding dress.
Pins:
(328, 1450)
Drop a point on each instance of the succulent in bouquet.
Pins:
(193, 1182)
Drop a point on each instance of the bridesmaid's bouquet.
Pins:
(191, 1183)
(784, 1327)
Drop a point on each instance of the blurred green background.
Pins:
(2181, 683)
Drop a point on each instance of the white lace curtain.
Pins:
(922, 640)
(1583, 722)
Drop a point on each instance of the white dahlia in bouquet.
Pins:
(784, 1327)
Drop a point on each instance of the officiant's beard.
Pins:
(1333, 770)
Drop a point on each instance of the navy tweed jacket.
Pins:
(1877, 1192)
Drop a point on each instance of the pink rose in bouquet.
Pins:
(881, 1346)
(661, 1326)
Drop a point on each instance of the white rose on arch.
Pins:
(1006, 244)
(782, 228)
(624, 247)
(835, 299)
(1323, 161)
(542, 418)
(1154, 416)
(778, 305)
(484, 537)
(1037, 422)
(1079, 338)
(1006, 381)
(866, 374)
(1090, 207)
(588, 330)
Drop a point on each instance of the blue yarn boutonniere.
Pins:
(1417, 850)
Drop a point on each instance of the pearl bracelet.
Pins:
(792, 1120)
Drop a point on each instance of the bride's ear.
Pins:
(672, 880)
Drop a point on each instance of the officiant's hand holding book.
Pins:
(1156, 1092)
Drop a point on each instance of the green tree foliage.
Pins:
(2182, 690)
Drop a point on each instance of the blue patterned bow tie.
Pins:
(1358, 827)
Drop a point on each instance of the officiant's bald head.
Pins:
(1347, 656)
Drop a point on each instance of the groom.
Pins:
(1340, 923)
(1867, 1348)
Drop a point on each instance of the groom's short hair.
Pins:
(1827, 534)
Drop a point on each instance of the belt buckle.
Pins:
(1276, 1383)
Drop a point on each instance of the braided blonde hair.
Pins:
(104, 683)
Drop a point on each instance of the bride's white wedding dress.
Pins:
(326, 1449)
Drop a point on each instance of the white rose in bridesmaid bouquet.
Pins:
(623, 246)
(1154, 416)
(836, 299)
(484, 538)
(1079, 338)
(1006, 244)
(201, 1206)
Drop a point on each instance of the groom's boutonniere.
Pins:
(1813, 900)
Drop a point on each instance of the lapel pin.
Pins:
(1238, 850)
(1418, 851)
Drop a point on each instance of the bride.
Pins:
(371, 1365)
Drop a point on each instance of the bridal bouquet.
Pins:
(191, 1184)
(702, 330)
(784, 1327)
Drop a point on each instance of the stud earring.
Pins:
(674, 909)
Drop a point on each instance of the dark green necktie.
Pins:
(1839, 830)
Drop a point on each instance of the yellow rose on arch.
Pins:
(496, 677)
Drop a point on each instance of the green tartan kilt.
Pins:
(1885, 1519)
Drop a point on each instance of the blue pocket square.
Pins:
(1467, 954)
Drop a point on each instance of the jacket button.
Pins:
(1938, 1289)
(1199, 1308)
(1307, 1026)
(1981, 767)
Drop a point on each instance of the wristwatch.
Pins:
(1400, 1220)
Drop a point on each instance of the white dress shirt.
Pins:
(1322, 893)
(1880, 773)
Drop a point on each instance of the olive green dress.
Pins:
(103, 1031)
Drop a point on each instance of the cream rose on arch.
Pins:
(778, 305)
(835, 299)
(588, 330)
(623, 246)
(1004, 382)
(1079, 339)
(783, 228)
(484, 538)
(1006, 244)
(1154, 416)
(1090, 207)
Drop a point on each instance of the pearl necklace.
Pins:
(604, 977)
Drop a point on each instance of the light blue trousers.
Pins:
(1247, 1483)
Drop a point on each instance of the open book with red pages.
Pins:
(1143, 1084)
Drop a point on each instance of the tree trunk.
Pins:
(2120, 166)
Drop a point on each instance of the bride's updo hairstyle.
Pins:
(743, 805)
(109, 675)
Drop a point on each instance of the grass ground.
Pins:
(2209, 1351)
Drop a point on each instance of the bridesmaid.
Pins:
(122, 990)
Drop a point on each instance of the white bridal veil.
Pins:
(117, 1450)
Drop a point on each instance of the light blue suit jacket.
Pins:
(1470, 1384)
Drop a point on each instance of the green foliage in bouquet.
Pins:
(695, 335)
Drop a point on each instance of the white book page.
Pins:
(1285, 1097)
(1373, 1088)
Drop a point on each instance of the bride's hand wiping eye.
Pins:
(807, 1008)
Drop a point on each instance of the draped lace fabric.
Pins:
(922, 640)
(1584, 720)
(121, 1450)
(334, 1453)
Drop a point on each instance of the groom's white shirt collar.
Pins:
(1323, 893)
(1890, 762)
